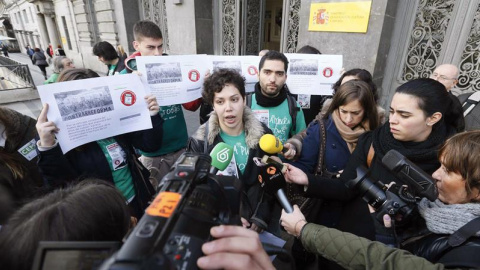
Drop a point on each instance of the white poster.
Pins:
(173, 79)
(98, 108)
(313, 74)
(245, 65)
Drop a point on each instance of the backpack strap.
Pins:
(249, 99)
(461, 235)
(370, 155)
(470, 103)
(293, 110)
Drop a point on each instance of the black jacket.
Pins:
(89, 160)
(120, 66)
(257, 205)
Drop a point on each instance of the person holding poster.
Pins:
(112, 159)
(233, 123)
(272, 103)
(149, 42)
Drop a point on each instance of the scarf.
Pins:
(267, 101)
(447, 218)
(417, 152)
(348, 135)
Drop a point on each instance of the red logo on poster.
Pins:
(327, 72)
(252, 70)
(194, 75)
(128, 98)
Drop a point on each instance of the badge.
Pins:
(29, 150)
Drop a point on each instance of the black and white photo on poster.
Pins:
(84, 102)
(234, 65)
(163, 73)
(303, 67)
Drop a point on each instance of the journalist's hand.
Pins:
(293, 222)
(292, 151)
(234, 248)
(152, 104)
(46, 129)
(295, 175)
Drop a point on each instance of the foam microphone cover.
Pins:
(271, 178)
(270, 144)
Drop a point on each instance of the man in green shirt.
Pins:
(271, 102)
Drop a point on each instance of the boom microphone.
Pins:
(221, 156)
(271, 144)
(272, 181)
(410, 173)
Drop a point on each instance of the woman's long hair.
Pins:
(356, 90)
(13, 162)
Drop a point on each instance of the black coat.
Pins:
(89, 161)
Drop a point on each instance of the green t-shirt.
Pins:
(240, 149)
(53, 78)
(279, 119)
(175, 134)
(117, 159)
(111, 70)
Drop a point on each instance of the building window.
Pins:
(69, 43)
(92, 22)
(25, 15)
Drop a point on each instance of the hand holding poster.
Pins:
(173, 79)
(94, 109)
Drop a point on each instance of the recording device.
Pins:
(221, 156)
(272, 180)
(271, 144)
(176, 224)
(398, 202)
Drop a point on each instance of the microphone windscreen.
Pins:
(221, 156)
(271, 178)
(270, 144)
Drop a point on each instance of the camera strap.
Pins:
(370, 155)
(465, 232)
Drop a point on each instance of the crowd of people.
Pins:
(98, 191)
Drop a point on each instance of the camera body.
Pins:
(384, 200)
(398, 202)
(177, 223)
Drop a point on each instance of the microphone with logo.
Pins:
(221, 156)
(272, 181)
(271, 144)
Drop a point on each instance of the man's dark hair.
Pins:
(105, 50)
(274, 55)
(217, 81)
(146, 29)
(307, 49)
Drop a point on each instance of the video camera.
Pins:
(190, 200)
(177, 223)
(398, 202)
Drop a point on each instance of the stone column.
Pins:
(43, 30)
(52, 31)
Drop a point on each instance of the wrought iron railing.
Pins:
(14, 75)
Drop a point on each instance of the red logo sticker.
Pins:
(327, 72)
(128, 98)
(194, 75)
(252, 70)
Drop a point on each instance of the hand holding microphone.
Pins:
(272, 181)
(272, 145)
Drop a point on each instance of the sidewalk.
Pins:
(34, 70)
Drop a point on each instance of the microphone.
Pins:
(271, 144)
(420, 181)
(272, 181)
(221, 156)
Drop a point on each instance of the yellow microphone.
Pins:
(271, 144)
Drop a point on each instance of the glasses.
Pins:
(441, 77)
